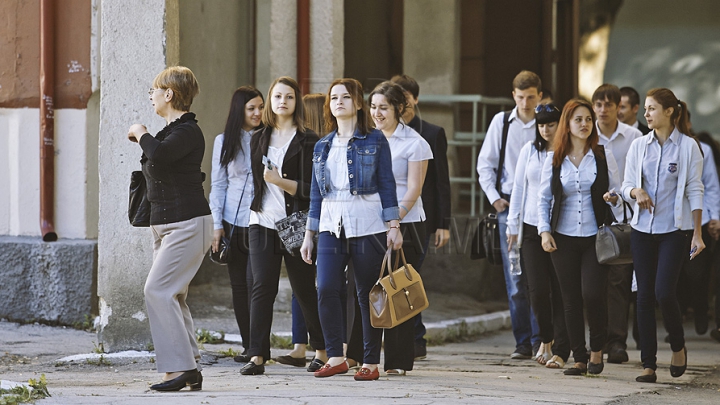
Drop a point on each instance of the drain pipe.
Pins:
(47, 121)
(303, 45)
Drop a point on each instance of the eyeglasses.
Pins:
(545, 107)
(151, 91)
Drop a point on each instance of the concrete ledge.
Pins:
(460, 328)
(48, 282)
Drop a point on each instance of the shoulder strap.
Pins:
(501, 162)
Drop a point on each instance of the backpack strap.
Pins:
(503, 147)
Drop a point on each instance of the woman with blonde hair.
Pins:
(180, 222)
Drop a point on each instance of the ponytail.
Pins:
(682, 122)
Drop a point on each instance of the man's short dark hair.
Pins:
(407, 83)
(631, 94)
(609, 92)
(527, 79)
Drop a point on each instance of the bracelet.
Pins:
(403, 207)
(394, 227)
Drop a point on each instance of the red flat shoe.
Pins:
(364, 374)
(328, 371)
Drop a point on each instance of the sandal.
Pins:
(555, 362)
(543, 355)
(395, 371)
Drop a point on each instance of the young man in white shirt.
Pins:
(521, 130)
(617, 137)
(628, 109)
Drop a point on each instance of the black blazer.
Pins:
(603, 214)
(297, 165)
(643, 128)
(436, 189)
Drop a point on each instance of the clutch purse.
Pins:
(291, 231)
(398, 296)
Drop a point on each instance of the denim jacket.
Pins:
(369, 171)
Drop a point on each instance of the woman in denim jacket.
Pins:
(354, 208)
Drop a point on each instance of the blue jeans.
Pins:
(367, 254)
(299, 330)
(658, 259)
(524, 326)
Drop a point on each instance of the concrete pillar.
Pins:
(276, 53)
(327, 44)
(139, 38)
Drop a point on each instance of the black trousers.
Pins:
(241, 280)
(583, 282)
(399, 342)
(545, 297)
(266, 255)
(694, 283)
(618, 297)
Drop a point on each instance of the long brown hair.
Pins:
(562, 143)
(314, 104)
(680, 116)
(395, 96)
(356, 93)
(269, 118)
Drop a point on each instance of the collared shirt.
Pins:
(226, 187)
(527, 187)
(406, 145)
(519, 134)
(359, 215)
(711, 198)
(273, 201)
(577, 216)
(619, 142)
(660, 181)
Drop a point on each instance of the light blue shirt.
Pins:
(711, 199)
(527, 187)
(577, 216)
(227, 184)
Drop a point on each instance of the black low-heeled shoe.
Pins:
(252, 369)
(595, 368)
(647, 378)
(677, 371)
(190, 378)
(315, 365)
(242, 358)
(291, 361)
(575, 370)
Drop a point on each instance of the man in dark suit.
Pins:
(436, 189)
(628, 109)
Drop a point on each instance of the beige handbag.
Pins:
(398, 296)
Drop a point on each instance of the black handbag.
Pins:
(139, 206)
(612, 242)
(486, 241)
(291, 231)
(222, 256)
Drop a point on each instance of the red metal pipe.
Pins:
(303, 45)
(47, 121)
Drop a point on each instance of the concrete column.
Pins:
(327, 45)
(276, 41)
(139, 38)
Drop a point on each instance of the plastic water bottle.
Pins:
(514, 256)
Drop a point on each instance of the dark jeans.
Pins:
(299, 330)
(333, 255)
(619, 291)
(266, 257)
(240, 279)
(399, 341)
(694, 283)
(545, 297)
(582, 281)
(658, 259)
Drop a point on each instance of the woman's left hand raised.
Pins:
(136, 131)
(272, 176)
(612, 198)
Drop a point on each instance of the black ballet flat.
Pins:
(647, 378)
(677, 371)
(315, 365)
(595, 368)
(252, 369)
(242, 358)
(190, 378)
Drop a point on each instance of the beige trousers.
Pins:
(178, 251)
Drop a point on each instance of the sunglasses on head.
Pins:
(545, 107)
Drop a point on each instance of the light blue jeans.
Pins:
(524, 326)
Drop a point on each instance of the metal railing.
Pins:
(472, 139)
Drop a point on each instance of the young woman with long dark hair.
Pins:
(663, 178)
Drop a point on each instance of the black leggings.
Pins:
(582, 281)
(545, 297)
(266, 255)
(240, 279)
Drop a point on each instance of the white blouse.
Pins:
(272, 208)
(406, 145)
(527, 186)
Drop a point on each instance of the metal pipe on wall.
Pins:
(47, 121)
(303, 45)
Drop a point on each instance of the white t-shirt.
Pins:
(273, 202)
(406, 145)
(358, 215)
